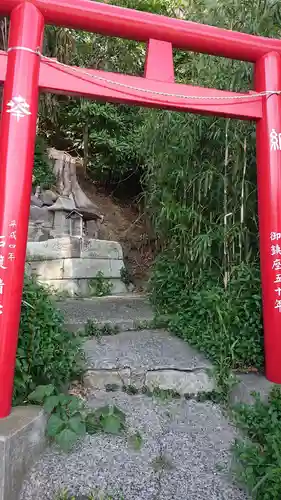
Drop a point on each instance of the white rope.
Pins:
(80, 71)
(26, 49)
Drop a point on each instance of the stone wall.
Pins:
(71, 265)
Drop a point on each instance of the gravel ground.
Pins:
(184, 452)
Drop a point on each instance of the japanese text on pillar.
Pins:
(6, 258)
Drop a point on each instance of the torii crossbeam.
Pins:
(25, 73)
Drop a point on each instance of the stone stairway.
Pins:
(125, 311)
(155, 379)
(144, 359)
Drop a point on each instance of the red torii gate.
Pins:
(25, 72)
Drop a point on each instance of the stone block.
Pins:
(35, 201)
(34, 231)
(101, 249)
(47, 270)
(22, 439)
(41, 214)
(118, 287)
(81, 287)
(89, 268)
(48, 197)
(92, 228)
(38, 232)
(78, 288)
(182, 382)
(57, 248)
(99, 379)
(61, 225)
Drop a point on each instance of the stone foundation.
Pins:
(22, 440)
(71, 265)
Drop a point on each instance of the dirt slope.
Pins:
(127, 224)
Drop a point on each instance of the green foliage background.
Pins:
(47, 353)
(196, 175)
(42, 170)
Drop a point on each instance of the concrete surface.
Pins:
(82, 287)
(57, 248)
(70, 265)
(185, 448)
(22, 440)
(79, 268)
(183, 382)
(69, 247)
(247, 384)
(100, 249)
(154, 358)
(123, 311)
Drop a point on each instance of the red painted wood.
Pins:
(17, 138)
(268, 77)
(159, 64)
(135, 25)
(65, 81)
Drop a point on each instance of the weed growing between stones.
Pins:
(69, 419)
(167, 394)
(156, 323)
(125, 276)
(94, 329)
(258, 455)
(99, 286)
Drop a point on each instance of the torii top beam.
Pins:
(135, 25)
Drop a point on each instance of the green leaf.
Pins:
(136, 441)
(103, 411)
(119, 414)
(66, 439)
(92, 423)
(41, 392)
(111, 424)
(75, 404)
(77, 425)
(50, 403)
(55, 425)
(65, 399)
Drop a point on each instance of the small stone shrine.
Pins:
(64, 249)
(50, 210)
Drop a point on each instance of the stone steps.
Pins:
(146, 360)
(125, 311)
(142, 359)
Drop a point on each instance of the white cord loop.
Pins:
(80, 71)
(26, 49)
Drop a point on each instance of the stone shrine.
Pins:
(64, 250)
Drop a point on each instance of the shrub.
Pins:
(46, 353)
(225, 323)
(42, 171)
(258, 455)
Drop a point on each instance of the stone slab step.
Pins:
(150, 359)
(125, 311)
